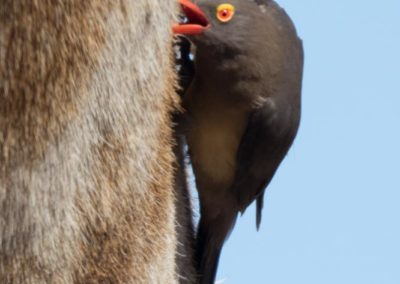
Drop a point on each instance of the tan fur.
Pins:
(86, 88)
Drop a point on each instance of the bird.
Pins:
(243, 107)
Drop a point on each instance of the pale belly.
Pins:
(214, 139)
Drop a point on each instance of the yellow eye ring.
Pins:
(225, 12)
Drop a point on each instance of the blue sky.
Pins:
(332, 212)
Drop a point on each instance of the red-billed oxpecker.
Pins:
(243, 108)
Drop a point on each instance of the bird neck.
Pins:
(217, 64)
(225, 77)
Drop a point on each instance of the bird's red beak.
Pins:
(196, 23)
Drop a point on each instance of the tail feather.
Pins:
(259, 207)
(207, 255)
(209, 243)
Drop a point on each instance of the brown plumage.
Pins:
(243, 107)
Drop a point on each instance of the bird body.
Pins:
(215, 136)
(244, 111)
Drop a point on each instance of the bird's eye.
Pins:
(225, 12)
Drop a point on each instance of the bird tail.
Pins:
(259, 207)
(210, 239)
(207, 258)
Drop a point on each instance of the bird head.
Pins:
(220, 23)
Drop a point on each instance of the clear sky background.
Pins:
(332, 212)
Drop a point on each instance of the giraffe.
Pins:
(86, 144)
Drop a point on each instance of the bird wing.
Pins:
(268, 136)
